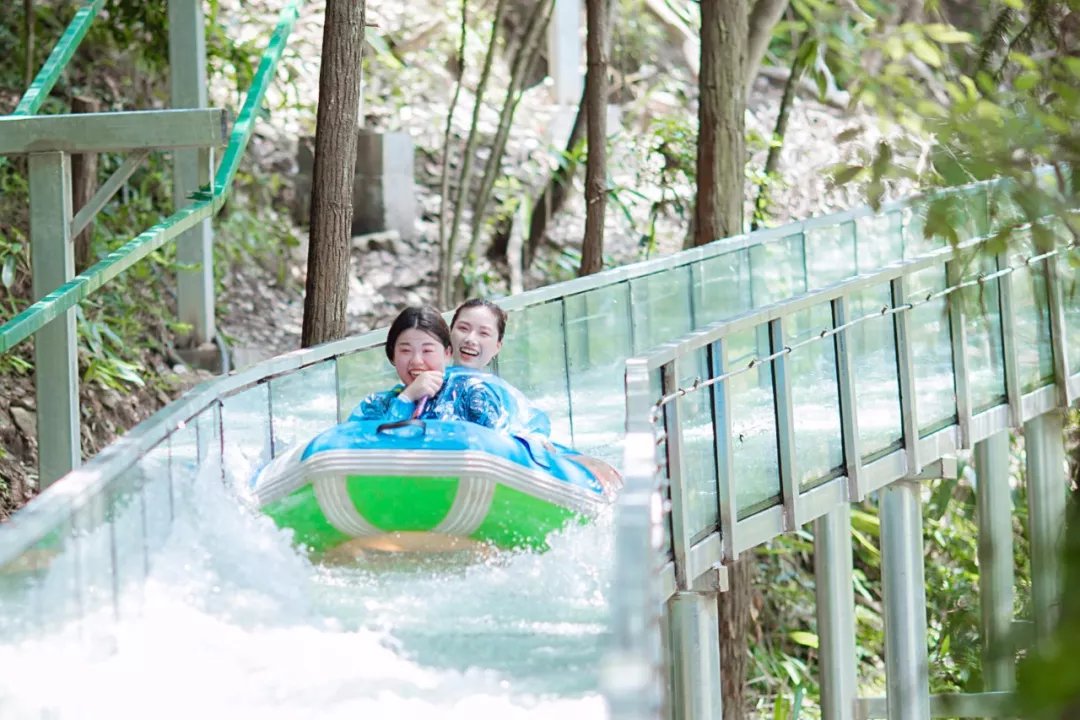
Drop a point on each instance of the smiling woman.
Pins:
(476, 332)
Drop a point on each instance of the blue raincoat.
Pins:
(466, 394)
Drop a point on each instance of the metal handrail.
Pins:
(58, 59)
(207, 202)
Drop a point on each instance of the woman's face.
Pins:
(415, 352)
(475, 337)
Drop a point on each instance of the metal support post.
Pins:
(191, 169)
(55, 359)
(1045, 449)
(995, 560)
(835, 613)
(907, 680)
(695, 656)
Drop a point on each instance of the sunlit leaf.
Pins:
(7, 273)
(847, 174)
(948, 34)
(926, 52)
(1027, 81)
(849, 134)
(802, 637)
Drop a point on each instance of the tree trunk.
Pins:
(721, 151)
(84, 168)
(554, 195)
(525, 61)
(763, 18)
(772, 160)
(734, 612)
(446, 256)
(28, 32)
(555, 192)
(474, 131)
(721, 161)
(332, 176)
(592, 246)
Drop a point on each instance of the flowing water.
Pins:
(236, 623)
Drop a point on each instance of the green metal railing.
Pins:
(192, 133)
(205, 203)
(58, 59)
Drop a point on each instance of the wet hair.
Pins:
(498, 312)
(422, 317)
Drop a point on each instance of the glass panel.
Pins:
(721, 287)
(40, 588)
(777, 270)
(157, 497)
(246, 425)
(304, 403)
(1068, 270)
(126, 513)
(361, 373)
(1004, 211)
(699, 447)
(533, 359)
(208, 429)
(982, 319)
(95, 556)
(931, 346)
(598, 341)
(753, 428)
(976, 214)
(184, 462)
(661, 307)
(879, 240)
(872, 345)
(815, 395)
(830, 254)
(184, 450)
(1031, 312)
(915, 241)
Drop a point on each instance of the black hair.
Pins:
(498, 312)
(422, 317)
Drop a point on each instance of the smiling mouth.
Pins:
(469, 352)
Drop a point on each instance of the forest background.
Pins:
(823, 106)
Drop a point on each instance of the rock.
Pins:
(377, 277)
(407, 277)
(110, 398)
(26, 421)
(387, 240)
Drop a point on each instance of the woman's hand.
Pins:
(426, 384)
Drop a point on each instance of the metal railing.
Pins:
(48, 140)
(866, 386)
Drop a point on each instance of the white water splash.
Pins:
(236, 624)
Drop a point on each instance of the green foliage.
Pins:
(669, 172)
(1012, 113)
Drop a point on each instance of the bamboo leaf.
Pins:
(847, 174)
(849, 134)
(7, 274)
(802, 637)
(947, 34)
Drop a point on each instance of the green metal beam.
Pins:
(58, 59)
(114, 131)
(206, 204)
(82, 285)
(192, 169)
(106, 191)
(55, 363)
(245, 122)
